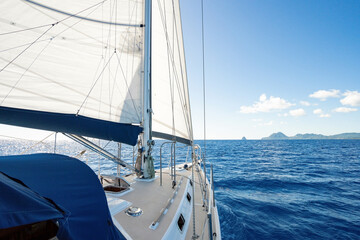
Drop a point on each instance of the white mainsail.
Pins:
(71, 66)
(86, 58)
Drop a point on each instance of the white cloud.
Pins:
(262, 97)
(267, 124)
(305, 103)
(318, 111)
(266, 105)
(283, 123)
(344, 110)
(321, 114)
(351, 98)
(297, 112)
(324, 94)
(257, 120)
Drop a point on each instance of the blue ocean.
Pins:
(285, 189)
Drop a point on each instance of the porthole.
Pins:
(188, 196)
(181, 222)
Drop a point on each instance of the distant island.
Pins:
(243, 138)
(281, 136)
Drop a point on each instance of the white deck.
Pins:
(152, 199)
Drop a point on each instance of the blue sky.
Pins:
(264, 61)
(290, 66)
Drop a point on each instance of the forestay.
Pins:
(83, 58)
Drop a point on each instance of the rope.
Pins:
(41, 141)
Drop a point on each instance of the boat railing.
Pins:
(92, 146)
(161, 147)
(212, 223)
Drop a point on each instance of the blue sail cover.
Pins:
(71, 123)
(71, 184)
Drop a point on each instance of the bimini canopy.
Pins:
(72, 185)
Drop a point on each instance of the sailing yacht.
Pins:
(112, 70)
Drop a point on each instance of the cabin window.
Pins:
(190, 182)
(181, 222)
(188, 196)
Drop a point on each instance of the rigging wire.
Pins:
(27, 29)
(171, 55)
(22, 45)
(41, 141)
(51, 26)
(27, 47)
(51, 38)
(203, 73)
(172, 85)
(14, 86)
(94, 84)
(127, 86)
(171, 79)
(76, 15)
(185, 105)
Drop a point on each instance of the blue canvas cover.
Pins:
(71, 123)
(19, 205)
(73, 186)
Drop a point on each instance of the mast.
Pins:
(147, 111)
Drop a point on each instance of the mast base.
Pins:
(149, 171)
